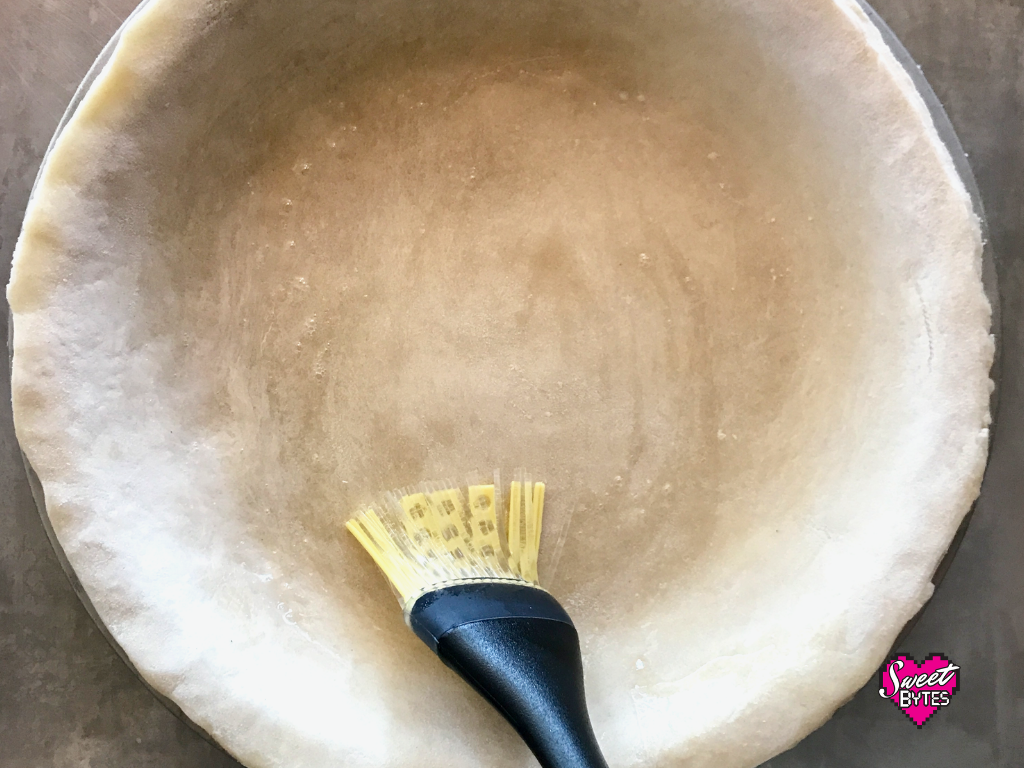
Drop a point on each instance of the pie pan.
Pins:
(712, 268)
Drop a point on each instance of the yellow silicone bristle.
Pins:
(513, 525)
(484, 520)
(438, 534)
(526, 509)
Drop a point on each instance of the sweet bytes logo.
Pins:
(919, 689)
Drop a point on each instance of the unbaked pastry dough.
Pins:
(705, 266)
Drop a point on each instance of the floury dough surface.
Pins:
(704, 267)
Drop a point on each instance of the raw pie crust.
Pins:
(704, 266)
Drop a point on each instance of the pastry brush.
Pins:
(468, 586)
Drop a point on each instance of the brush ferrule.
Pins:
(436, 613)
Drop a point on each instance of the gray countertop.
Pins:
(66, 698)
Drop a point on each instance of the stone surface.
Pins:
(67, 700)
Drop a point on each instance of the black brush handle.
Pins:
(519, 649)
(531, 671)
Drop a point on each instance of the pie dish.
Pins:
(707, 267)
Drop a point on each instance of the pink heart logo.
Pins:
(919, 689)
